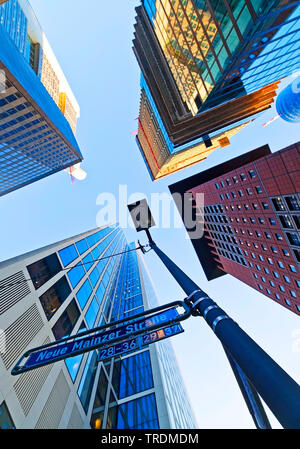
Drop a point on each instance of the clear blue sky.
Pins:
(93, 43)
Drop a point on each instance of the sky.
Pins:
(93, 44)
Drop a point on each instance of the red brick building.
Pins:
(252, 221)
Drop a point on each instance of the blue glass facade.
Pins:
(36, 140)
(78, 284)
(15, 23)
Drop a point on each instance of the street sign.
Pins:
(78, 346)
(139, 342)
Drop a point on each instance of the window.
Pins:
(84, 293)
(87, 380)
(228, 182)
(252, 174)
(53, 298)
(92, 313)
(285, 252)
(293, 203)
(91, 240)
(217, 186)
(243, 177)
(297, 221)
(6, 421)
(82, 246)
(286, 221)
(272, 221)
(293, 269)
(278, 204)
(278, 236)
(277, 296)
(138, 414)
(270, 261)
(94, 276)
(249, 191)
(68, 254)
(76, 274)
(272, 283)
(293, 294)
(267, 270)
(264, 247)
(255, 206)
(235, 180)
(42, 271)
(281, 287)
(274, 249)
(268, 235)
(280, 264)
(261, 220)
(265, 205)
(127, 379)
(276, 275)
(65, 324)
(88, 262)
(287, 279)
(288, 302)
(293, 238)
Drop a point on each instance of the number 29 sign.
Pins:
(139, 342)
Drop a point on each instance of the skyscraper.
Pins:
(207, 67)
(36, 137)
(60, 290)
(251, 211)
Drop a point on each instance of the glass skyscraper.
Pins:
(38, 111)
(63, 289)
(209, 66)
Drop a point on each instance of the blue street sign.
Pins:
(84, 344)
(139, 342)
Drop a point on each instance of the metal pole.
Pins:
(250, 395)
(279, 391)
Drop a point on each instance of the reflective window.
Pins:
(87, 381)
(68, 254)
(278, 204)
(43, 270)
(92, 312)
(94, 276)
(91, 240)
(132, 375)
(88, 262)
(84, 293)
(76, 274)
(65, 324)
(53, 298)
(138, 414)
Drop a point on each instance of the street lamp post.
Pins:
(249, 361)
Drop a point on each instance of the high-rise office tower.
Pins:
(208, 67)
(38, 111)
(251, 211)
(82, 282)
